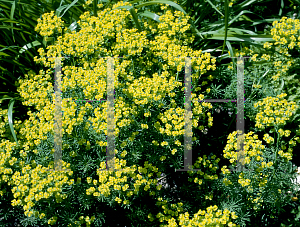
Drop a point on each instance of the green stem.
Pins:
(276, 154)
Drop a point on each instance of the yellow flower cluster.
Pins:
(83, 219)
(252, 149)
(7, 161)
(243, 182)
(173, 214)
(209, 166)
(142, 94)
(52, 220)
(211, 217)
(117, 185)
(286, 31)
(254, 160)
(257, 201)
(48, 24)
(173, 211)
(274, 111)
(89, 82)
(288, 155)
(173, 119)
(38, 184)
(3, 121)
(268, 138)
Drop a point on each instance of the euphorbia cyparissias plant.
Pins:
(149, 115)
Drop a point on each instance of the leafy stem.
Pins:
(276, 150)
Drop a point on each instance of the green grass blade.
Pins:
(241, 31)
(212, 5)
(29, 45)
(12, 12)
(150, 15)
(10, 119)
(162, 2)
(4, 54)
(60, 9)
(95, 7)
(73, 26)
(69, 6)
(135, 18)
(12, 21)
(243, 38)
(280, 10)
(264, 21)
(240, 15)
(6, 80)
(10, 27)
(226, 23)
(247, 3)
(232, 53)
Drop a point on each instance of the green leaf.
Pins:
(294, 117)
(2, 53)
(69, 6)
(10, 27)
(29, 45)
(59, 9)
(95, 7)
(247, 18)
(246, 3)
(3, 97)
(150, 15)
(8, 80)
(280, 10)
(10, 119)
(135, 18)
(12, 17)
(73, 26)
(215, 8)
(236, 17)
(243, 38)
(163, 2)
(241, 31)
(264, 21)
(282, 84)
(226, 23)
(232, 53)
(13, 21)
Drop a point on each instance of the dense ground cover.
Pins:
(149, 121)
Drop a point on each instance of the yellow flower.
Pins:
(174, 151)
(294, 199)
(287, 133)
(162, 158)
